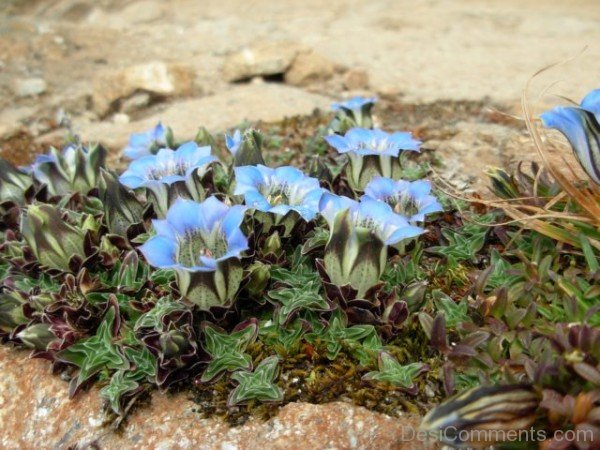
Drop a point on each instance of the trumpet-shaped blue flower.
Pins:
(581, 126)
(195, 237)
(167, 166)
(141, 144)
(412, 200)
(362, 141)
(359, 236)
(354, 104)
(278, 191)
(369, 213)
(233, 142)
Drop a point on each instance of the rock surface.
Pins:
(155, 77)
(264, 58)
(309, 67)
(356, 78)
(35, 412)
(30, 87)
(266, 101)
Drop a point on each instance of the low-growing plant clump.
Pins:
(347, 276)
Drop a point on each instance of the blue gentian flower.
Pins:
(233, 142)
(195, 237)
(374, 215)
(409, 199)
(581, 126)
(278, 191)
(362, 141)
(354, 104)
(167, 166)
(141, 144)
(359, 236)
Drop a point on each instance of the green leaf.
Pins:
(121, 384)
(227, 350)
(258, 385)
(455, 312)
(293, 299)
(284, 339)
(95, 353)
(391, 371)
(337, 334)
(588, 253)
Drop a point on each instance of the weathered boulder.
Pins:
(156, 77)
(260, 59)
(35, 412)
(309, 67)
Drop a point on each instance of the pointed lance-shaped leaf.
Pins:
(13, 183)
(122, 209)
(53, 241)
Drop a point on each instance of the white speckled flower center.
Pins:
(403, 204)
(365, 222)
(375, 145)
(175, 167)
(277, 194)
(195, 244)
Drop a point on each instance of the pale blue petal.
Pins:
(142, 166)
(377, 210)
(159, 133)
(190, 151)
(570, 122)
(130, 180)
(287, 174)
(233, 219)
(164, 156)
(211, 211)
(237, 243)
(281, 210)
(591, 103)
(133, 152)
(159, 251)
(256, 200)
(233, 142)
(380, 188)
(357, 134)
(403, 232)
(404, 141)
(419, 189)
(247, 178)
(185, 215)
(330, 205)
(430, 205)
(337, 142)
(164, 228)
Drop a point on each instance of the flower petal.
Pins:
(159, 251)
(591, 103)
(185, 215)
(212, 210)
(247, 178)
(233, 219)
(582, 130)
